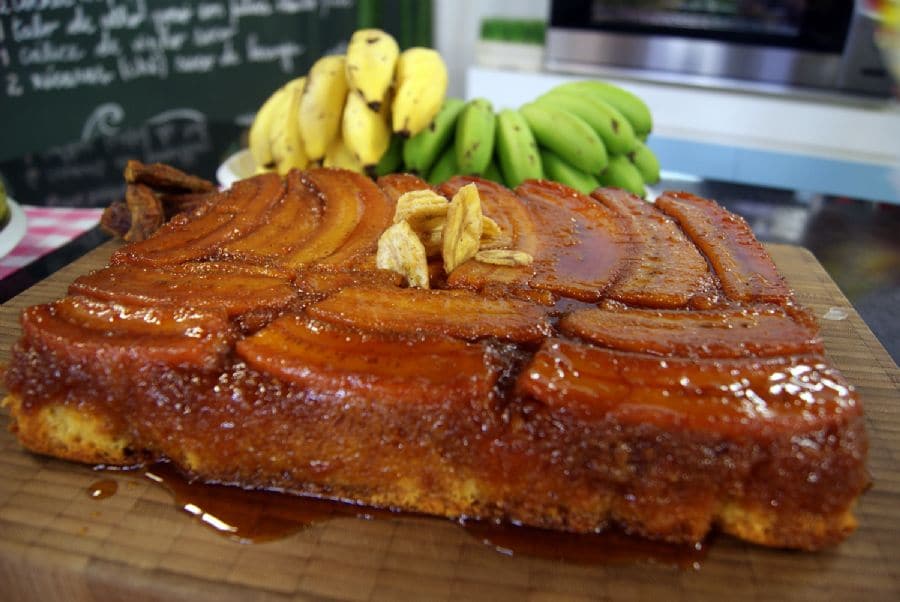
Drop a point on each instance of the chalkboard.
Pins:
(78, 69)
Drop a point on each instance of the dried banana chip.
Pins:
(504, 257)
(489, 228)
(433, 241)
(492, 237)
(427, 225)
(401, 251)
(420, 205)
(462, 232)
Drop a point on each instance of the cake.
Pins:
(646, 367)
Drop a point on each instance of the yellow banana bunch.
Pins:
(421, 87)
(259, 131)
(366, 133)
(338, 155)
(350, 108)
(322, 104)
(285, 142)
(371, 59)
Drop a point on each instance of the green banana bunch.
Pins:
(646, 162)
(612, 127)
(366, 133)
(421, 87)
(567, 135)
(322, 104)
(392, 159)
(285, 141)
(517, 150)
(422, 150)
(445, 167)
(492, 172)
(633, 108)
(621, 173)
(475, 136)
(557, 169)
(371, 59)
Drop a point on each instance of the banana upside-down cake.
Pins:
(536, 356)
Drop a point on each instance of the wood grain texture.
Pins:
(56, 543)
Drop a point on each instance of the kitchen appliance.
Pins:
(825, 45)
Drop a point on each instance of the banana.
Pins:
(4, 205)
(568, 135)
(646, 162)
(366, 133)
(562, 172)
(517, 149)
(445, 168)
(322, 104)
(612, 127)
(475, 136)
(632, 107)
(492, 172)
(620, 173)
(338, 155)
(392, 159)
(422, 150)
(285, 142)
(421, 86)
(371, 60)
(258, 139)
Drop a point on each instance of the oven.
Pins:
(765, 44)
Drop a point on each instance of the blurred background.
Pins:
(796, 93)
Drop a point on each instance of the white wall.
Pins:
(457, 25)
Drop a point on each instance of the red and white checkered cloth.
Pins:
(48, 229)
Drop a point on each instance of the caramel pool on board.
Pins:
(256, 516)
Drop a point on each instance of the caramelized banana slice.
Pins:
(233, 287)
(105, 333)
(460, 314)
(397, 184)
(289, 224)
(745, 269)
(736, 398)
(663, 268)
(235, 214)
(356, 213)
(317, 283)
(733, 333)
(579, 252)
(329, 360)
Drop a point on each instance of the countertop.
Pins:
(856, 241)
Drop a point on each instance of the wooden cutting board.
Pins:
(58, 543)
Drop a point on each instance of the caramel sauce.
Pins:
(251, 515)
(102, 489)
(254, 516)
